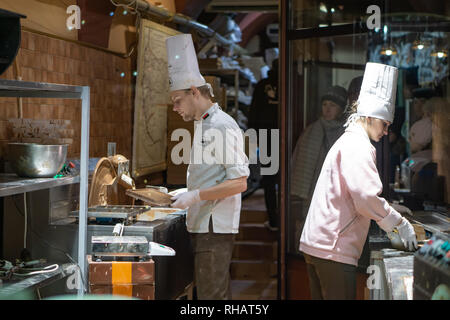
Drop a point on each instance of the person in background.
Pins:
(424, 179)
(214, 187)
(420, 132)
(397, 147)
(420, 137)
(264, 115)
(312, 148)
(347, 194)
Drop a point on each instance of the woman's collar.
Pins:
(357, 127)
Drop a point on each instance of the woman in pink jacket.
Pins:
(347, 192)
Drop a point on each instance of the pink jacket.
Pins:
(346, 197)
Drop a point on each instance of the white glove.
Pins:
(186, 199)
(407, 234)
(401, 209)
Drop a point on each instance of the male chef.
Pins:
(214, 187)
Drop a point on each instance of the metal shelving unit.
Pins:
(236, 75)
(10, 185)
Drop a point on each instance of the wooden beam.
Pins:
(96, 15)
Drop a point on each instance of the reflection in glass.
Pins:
(417, 147)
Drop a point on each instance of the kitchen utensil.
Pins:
(162, 189)
(152, 196)
(36, 160)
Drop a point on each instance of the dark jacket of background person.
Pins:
(264, 115)
(264, 106)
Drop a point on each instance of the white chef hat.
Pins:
(378, 90)
(183, 64)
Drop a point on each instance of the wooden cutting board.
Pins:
(151, 196)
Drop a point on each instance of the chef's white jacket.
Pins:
(210, 166)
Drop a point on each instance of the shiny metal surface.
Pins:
(11, 184)
(432, 221)
(113, 211)
(36, 160)
(19, 88)
(56, 242)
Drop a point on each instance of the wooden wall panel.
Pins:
(45, 59)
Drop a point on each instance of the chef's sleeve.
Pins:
(364, 185)
(235, 160)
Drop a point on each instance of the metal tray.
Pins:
(432, 221)
(113, 211)
(151, 195)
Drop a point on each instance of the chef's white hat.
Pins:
(183, 64)
(378, 90)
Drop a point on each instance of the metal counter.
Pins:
(54, 240)
(396, 274)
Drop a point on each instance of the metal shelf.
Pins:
(24, 89)
(236, 75)
(16, 88)
(36, 281)
(11, 184)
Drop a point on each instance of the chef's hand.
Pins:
(401, 209)
(407, 234)
(186, 199)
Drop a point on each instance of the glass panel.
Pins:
(413, 160)
(314, 14)
(311, 79)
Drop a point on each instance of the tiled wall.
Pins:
(46, 59)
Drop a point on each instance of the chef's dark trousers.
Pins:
(330, 280)
(212, 258)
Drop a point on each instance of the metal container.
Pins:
(36, 160)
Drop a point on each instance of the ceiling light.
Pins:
(440, 54)
(420, 44)
(388, 51)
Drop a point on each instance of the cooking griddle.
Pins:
(152, 196)
(158, 213)
(432, 221)
(113, 212)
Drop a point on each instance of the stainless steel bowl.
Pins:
(36, 160)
